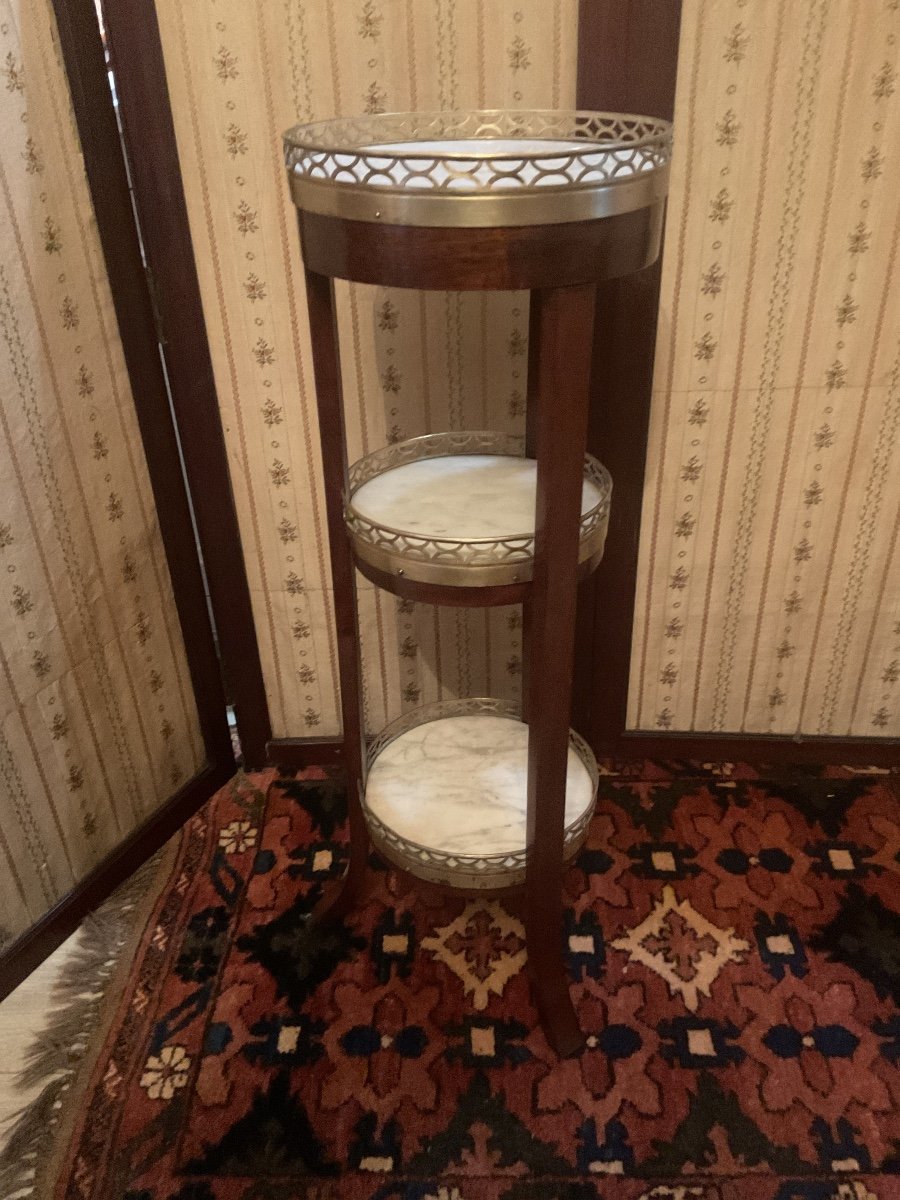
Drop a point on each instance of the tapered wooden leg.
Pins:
(337, 900)
(531, 405)
(559, 377)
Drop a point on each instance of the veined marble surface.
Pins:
(459, 496)
(419, 156)
(458, 784)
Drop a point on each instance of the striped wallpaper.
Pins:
(769, 584)
(767, 596)
(98, 725)
(239, 74)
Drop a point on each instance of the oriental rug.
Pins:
(733, 941)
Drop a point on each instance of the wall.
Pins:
(240, 73)
(97, 720)
(767, 595)
(769, 589)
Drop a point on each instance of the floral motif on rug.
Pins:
(734, 951)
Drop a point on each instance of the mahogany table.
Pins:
(474, 793)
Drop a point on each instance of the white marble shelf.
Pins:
(459, 518)
(453, 790)
(469, 163)
(459, 496)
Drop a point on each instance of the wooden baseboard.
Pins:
(828, 751)
(30, 950)
(295, 753)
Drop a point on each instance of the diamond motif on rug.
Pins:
(682, 947)
(484, 947)
(259, 1056)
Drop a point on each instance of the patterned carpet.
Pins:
(734, 946)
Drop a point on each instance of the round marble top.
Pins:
(462, 163)
(459, 496)
(458, 785)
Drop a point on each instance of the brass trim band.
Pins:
(541, 206)
(593, 165)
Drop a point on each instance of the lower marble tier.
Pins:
(446, 793)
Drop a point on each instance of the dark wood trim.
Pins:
(292, 754)
(296, 753)
(531, 417)
(718, 747)
(559, 374)
(30, 950)
(338, 900)
(82, 51)
(137, 60)
(627, 61)
(628, 55)
(457, 597)
(624, 336)
(464, 259)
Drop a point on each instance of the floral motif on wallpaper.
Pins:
(712, 656)
(412, 362)
(101, 727)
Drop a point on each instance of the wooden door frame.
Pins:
(148, 132)
(82, 52)
(627, 62)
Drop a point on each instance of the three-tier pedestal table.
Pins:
(475, 793)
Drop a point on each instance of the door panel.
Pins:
(104, 714)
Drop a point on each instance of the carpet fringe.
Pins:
(57, 1052)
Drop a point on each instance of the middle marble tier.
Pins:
(457, 510)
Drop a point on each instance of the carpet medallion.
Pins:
(734, 949)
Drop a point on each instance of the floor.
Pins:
(22, 1018)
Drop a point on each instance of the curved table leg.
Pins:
(549, 978)
(341, 896)
(558, 386)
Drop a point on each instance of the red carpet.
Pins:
(734, 946)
